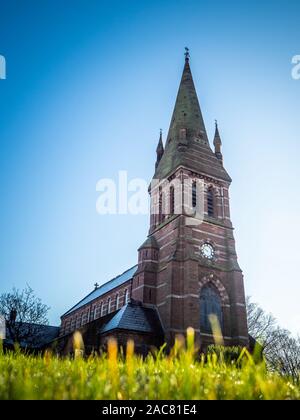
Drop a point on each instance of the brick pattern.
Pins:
(95, 342)
(171, 276)
(218, 285)
(179, 272)
(171, 269)
(108, 303)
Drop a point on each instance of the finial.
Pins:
(159, 149)
(218, 143)
(217, 134)
(187, 54)
(160, 143)
(96, 285)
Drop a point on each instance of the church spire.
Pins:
(159, 149)
(187, 113)
(187, 141)
(218, 143)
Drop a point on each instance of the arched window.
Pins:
(84, 318)
(97, 311)
(210, 202)
(126, 299)
(172, 200)
(68, 325)
(210, 303)
(108, 305)
(92, 313)
(102, 308)
(73, 324)
(194, 194)
(117, 300)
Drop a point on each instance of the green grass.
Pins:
(177, 376)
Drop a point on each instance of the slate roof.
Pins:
(150, 242)
(134, 317)
(43, 334)
(106, 287)
(192, 149)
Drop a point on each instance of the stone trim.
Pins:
(211, 335)
(217, 245)
(182, 331)
(149, 286)
(211, 278)
(160, 239)
(182, 296)
(241, 336)
(205, 232)
(209, 178)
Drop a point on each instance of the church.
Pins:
(187, 267)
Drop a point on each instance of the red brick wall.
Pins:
(95, 309)
(179, 272)
(172, 276)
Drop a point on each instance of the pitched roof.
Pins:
(150, 242)
(38, 335)
(135, 317)
(187, 142)
(106, 287)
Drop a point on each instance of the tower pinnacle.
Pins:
(159, 149)
(218, 143)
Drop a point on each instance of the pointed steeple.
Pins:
(187, 113)
(187, 141)
(159, 149)
(218, 143)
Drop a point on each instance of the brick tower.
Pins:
(187, 267)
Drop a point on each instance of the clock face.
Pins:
(207, 251)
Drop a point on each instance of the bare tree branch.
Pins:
(281, 350)
(23, 313)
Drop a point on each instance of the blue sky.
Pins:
(90, 83)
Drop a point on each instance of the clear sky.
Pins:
(90, 83)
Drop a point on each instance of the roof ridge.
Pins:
(35, 323)
(134, 316)
(99, 288)
(114, 278)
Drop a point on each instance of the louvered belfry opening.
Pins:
(210, 203)
(194, 194)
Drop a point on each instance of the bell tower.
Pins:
(188, 268)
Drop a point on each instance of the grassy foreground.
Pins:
(113, 376)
